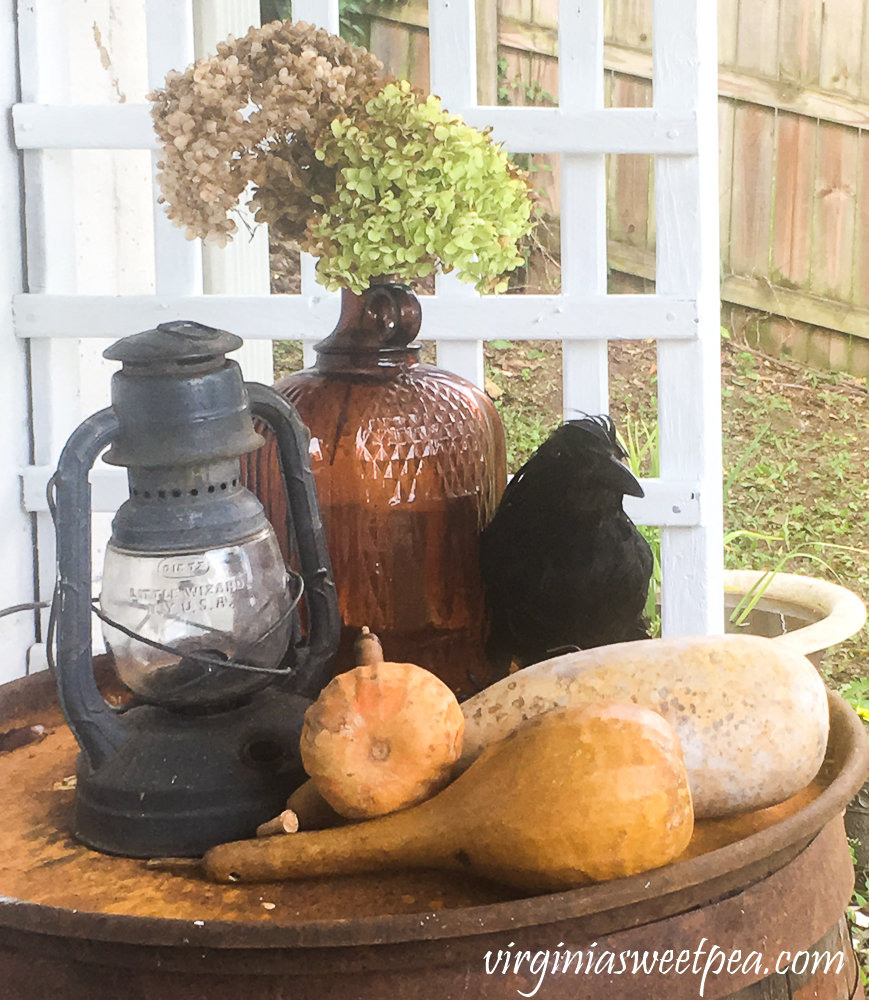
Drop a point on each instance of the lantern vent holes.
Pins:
(177, 493)
(167, 484)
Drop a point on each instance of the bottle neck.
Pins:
(383, 362)
(374, 333)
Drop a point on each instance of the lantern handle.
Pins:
(96, 725)
(305, 529)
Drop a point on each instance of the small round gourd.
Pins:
(380, 738)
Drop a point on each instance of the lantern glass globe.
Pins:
(230, 602)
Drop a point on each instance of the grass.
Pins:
(796, 475)
(525, 430)
(517, 380)
(801, 500)
(640, 441)
(287, 357)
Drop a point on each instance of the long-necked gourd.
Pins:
(576, 796)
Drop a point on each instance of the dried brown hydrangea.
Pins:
(252, 114)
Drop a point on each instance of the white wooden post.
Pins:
(689, 386)
(17, 584)
(324, 14)
(453, 69)
(88, 216)
(242, 267)
(51, 268)
(178, 261)
(583, 205)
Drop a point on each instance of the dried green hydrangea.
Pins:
(416, 191)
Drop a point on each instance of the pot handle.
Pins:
(313, 669)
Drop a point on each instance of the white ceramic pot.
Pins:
(810, 616)
(804, 613)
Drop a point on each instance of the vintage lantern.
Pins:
(199, 610)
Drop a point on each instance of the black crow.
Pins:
(563, 566)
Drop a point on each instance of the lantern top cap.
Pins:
(178, 341)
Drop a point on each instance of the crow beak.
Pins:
(620, 477)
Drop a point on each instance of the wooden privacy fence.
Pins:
(793, 151)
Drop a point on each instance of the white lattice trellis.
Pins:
(58, 314)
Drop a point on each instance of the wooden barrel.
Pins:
(760, 916)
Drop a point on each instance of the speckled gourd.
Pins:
(751, 713)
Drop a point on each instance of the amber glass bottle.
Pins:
(409, 463)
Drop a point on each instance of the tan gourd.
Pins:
(751, 713)
(577, 796)
(381, 737)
